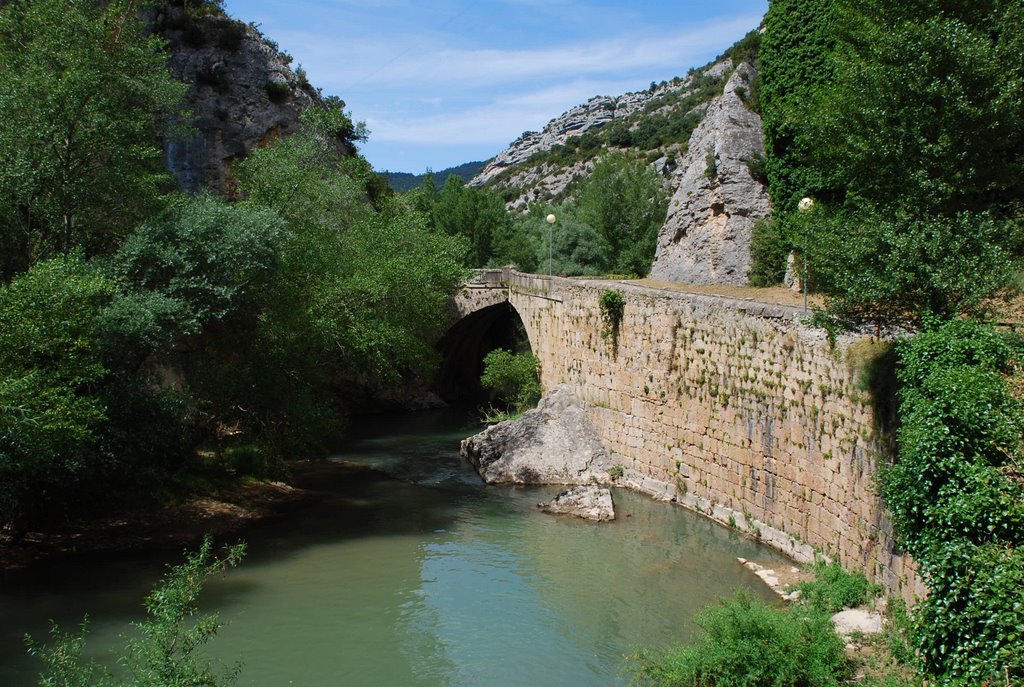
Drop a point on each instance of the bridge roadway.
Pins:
(731, 407)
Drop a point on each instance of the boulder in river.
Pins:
(552, 444)
(588, 502)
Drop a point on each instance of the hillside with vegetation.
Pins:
(653, 125)
(148, 333)
(404, 181)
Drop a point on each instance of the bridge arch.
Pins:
(483, 319)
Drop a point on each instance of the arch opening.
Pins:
(464, 346)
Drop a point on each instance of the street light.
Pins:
(551, 221)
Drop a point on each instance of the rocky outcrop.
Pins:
(595, 113)
(587, 502)
(552, 444)
(243, 94)
(706, 236)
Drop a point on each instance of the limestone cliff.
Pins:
(719, 194)
(243, 93)
(705, 141)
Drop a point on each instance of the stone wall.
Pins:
(729, 407)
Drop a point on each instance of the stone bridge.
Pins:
(730, 407)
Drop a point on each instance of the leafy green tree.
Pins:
(477, 215)
(576, 247)
(795, 62)
(340, 308)
(625, 201)
(167, 650)
(84, 95)
(924, 112)
(897, 268)
(51, 415)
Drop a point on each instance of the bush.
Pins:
(512, 378)
(954, 505)
(278, 91)
(769, 251)
(747, 643)
(834, 589)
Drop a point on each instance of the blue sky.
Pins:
(444, 82)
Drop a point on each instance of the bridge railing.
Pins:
(521, 282)
(489, 277)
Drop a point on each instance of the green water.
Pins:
(417, 574)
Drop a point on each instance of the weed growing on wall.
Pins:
(612, 307)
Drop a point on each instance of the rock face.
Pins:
(706, 236)
(243, 94)
(552, 444)
(577, 121)
(587, 502)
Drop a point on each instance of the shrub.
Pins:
(278, 91)
(769, 251)
(513, 378)
(747, 643)
(612, 308)
(166, 651)
(834, 589)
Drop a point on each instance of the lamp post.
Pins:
(551, 222)
(805, 205)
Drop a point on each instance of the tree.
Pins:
(340, 308)
(625, 201)
(51, 414)
(475, 214)
(795, 61)
(85, 94)
(924, 112)
(895, 269)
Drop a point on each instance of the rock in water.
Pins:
(588, 502)
(552, 444)
(706, 237)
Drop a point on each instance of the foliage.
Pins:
(340, 307)
(896, 268)
(51, 414)
(84, 94)
(924, 111)
(612, 307)
(204, 259)
(476, 215)
(747, 643)
(954, 503)
(570, 246)
(513, 378)
(769, 251)
(834, 589)
(167, 650)
(624, 200)
(795, 62)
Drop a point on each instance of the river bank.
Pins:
(226, 507)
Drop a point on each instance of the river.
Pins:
(415, 573)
